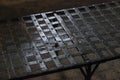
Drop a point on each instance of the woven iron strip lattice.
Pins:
(14, 63)
(91, 44)
(86, 30)
(60, 39)
(3, 69)
(94, 23)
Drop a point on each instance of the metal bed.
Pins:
(49, 42)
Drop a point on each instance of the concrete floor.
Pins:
(106, 71)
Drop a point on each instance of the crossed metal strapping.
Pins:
(53, 40)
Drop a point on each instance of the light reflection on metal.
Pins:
(48, 41)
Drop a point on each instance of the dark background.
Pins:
(17, 8)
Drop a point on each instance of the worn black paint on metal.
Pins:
(50, 42)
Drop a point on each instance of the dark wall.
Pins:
(15, 8)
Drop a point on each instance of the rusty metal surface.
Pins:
(49, 41)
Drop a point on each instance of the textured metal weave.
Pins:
(52, 40)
